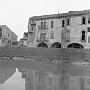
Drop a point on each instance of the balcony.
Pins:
(42, 40)
(30, 31)
(42, 28)
(33, 22)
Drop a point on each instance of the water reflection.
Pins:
(40, 80)
(5, 73)
(10, 79)
(75, 78)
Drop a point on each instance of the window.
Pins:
(44, 24)
(89, 19)
(0, 29)
(42, 36)
(51, 35)
(8, 41)
(88, 29)
(83, 20)
(83, 35)
(8, 35)
(41, 24)
(0, 34)
(52, 23)
(68, 22)
(32, 28)
(63, 23)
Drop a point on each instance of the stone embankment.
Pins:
(45, 53)
(54, 55)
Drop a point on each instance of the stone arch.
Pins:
(75, 45)
(42, 44)
(56, 45)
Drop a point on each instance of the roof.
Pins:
(23, 39)
(61, 15)
(1, 26)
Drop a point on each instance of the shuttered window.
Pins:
(51, 35)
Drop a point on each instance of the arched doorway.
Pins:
(75, 45)
(42, 45)
(56, 45)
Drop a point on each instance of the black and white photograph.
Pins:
(44, 45)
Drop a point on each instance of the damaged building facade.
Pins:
(62, 30)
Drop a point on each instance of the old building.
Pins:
(31, 31)
(64, 30)
(7, 37)
(24, 41)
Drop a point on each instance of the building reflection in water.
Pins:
(6, 73)
(40, 80)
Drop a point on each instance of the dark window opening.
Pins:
(44, 24)
(63, 23)
(83, 20)
(68, 22)
(41, 24)
(89, 19)
(8, 35)
(88, 29)
(52, 22)
(0, 34)
(32, 28)
(8, 41)
(0, 29)
(83, 35)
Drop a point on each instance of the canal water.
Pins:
(70, 78)
(11, 79)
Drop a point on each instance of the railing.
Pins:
(42, 40)
(42, 28)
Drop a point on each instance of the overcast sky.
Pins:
(15, 13)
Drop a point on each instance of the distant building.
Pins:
(7, 37)
(65, 30)
(24, 41)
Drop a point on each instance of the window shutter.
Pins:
(67, 36)
(38, 36)
(46, 36)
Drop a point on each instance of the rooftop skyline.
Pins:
(16, 13)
